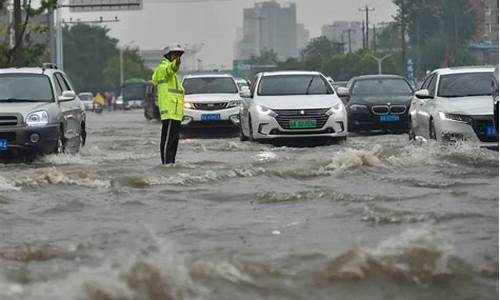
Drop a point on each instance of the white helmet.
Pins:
(173, 48)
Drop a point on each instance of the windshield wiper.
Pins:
(309, 85)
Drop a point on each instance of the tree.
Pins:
(267, 57)
(87, 50)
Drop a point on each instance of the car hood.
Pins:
(477, 105)
(211, 98)
(380, 100)
(298, 101)
(23, 108)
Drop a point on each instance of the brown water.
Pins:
(375, 218)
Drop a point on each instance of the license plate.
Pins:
(302, 124)
(389, 118)
(3, 144)
(491, 131)
(210, 117)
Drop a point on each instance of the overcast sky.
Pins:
(214, 23)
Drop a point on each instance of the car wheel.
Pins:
(243, 137)
(250, 129)
(432, 131)
(61, 144)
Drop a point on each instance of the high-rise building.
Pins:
(269, 25)
(487, 11)
(343, 32)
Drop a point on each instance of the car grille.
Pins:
(480, 125)
(380, 109)
(386, 109)
(285, 116)
(9, 136)
(8, 121)
(210, 106)
(398, 109)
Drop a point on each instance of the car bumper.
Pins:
(20, 140)
(267, 127)
(198, 118)
(367, 121)
(477, 132)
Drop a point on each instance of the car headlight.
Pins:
(234, 103)
(455, 117)
(358, 107)
(337, 108)
(188, 105)
(37, 118)
(266, 111)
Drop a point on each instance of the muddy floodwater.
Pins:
(375, 218)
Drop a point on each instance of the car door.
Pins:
(244, 114)
(70, 109)
(426, 107)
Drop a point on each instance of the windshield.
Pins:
(381, 87)
(25, 87)
(134, 91)
(280, 85)
(210, 85)
(86, 97)
(465, 85)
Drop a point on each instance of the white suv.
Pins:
(211, 100)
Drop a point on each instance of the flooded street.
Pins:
(375, 218)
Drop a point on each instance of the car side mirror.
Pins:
(343, 92)
(245, 92)
(67, 96)
(423, 94)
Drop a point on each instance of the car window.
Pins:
(432, 85)
(210, 85)
(465, 85)
(281, 85)
(426, 81)
(63, 84)
(25, 87)
(381, 86)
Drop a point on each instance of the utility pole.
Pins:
(367, 11)
(403, 37)
(380, 61)
(121, 66)
(374, 38)
(364, 35)
(17, 59)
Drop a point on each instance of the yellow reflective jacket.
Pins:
(170, 91)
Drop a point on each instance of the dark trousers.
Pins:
(169, 140)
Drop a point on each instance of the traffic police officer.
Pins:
(170, 101)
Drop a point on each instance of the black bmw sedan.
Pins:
(377, 102)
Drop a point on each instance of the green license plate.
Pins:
(302, 124)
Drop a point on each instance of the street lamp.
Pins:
(380, 61)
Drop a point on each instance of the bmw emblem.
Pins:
(389, 103)
(302, 112)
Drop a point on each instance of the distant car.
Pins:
(119, 102)
(242, 83)
(293, 105)
(378, 102)
(454, 104)
(211, 100)
(40, 112)
(87, 100)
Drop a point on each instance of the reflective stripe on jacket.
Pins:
(170, 91)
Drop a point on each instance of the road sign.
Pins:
(103, 5)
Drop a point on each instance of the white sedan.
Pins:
(454, 104)
(292, 104)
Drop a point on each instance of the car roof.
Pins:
(465, 69)
(222, 75)
(277, 73)
(26, 70)
(377, 76)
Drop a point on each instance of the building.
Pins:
(269, 25)
(343, 32)
(487, 31)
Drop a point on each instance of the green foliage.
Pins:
(267, 57)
